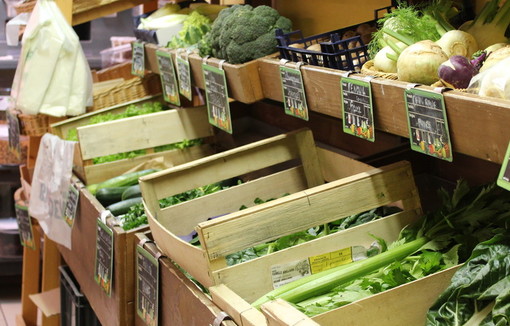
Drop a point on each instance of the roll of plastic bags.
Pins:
(81, 83)
(41, 46)
(68, 90)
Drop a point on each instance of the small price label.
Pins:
(147, 286)
(329, 260)
(168, 77)
(357, 108)
(504, 174)
(294, 98)
(103, 270)
(427, 122)
(184, 75)
(138, 59)
(71, 205)
(14, 133)
(218, 107)
(282, 274)
(25, 226)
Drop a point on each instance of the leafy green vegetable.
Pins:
(242, 33)
(467, 217)
(479, 293)
(308, 235)
(193, 30)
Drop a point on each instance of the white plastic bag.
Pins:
(493, 82)
(50, 186)
(53, 76)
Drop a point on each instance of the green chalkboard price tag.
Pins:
(138, 59)
(14, 133)
(184, 75)
(147, 286)
(216, 91)
(357, 108)
(427, 122)
(504, 174)
(103, 270)
(168, 77)
(294, 98)
(73, 197)
(25, 226)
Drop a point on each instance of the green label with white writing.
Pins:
(218, 107)
(14, 133)
(427, 122)
(103, 270)
(147, 286)
(71, 205)
(168, 77)
(357, 108)
(294, 97)
(138, 59)
(184, 75)
(25, 226)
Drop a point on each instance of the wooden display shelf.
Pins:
(139, 132)
(242, 79)
(81, 11)
(477, 125)
(310, 203)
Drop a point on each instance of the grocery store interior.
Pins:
(254, 163)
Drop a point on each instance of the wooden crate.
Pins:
(118, 309)
(242, 79)
(487, 142)
(405, 305)
(135, 133)
(311, 203)
(182, 302)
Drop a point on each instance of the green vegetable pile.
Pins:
(308, 235)
(194, 28)
(136, 215)
(444, 238)
(479, 293)
(242, 33)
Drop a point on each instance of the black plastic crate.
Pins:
(342, 49)
(74, 307)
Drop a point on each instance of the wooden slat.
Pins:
(280, 313)
(181, 219)
(488, 141)
(142, 132)
(50, 275)
(387, 228)
(62, 128)
(292, 213)
(100, 172)
(194, 262)
(236, 307)
(309, 158)
(85, 10)
(387, 308)
(219, 167)
(335, 166)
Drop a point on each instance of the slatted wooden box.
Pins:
(135, 133)
(243, 80)
(352, 188)
(118, 308)
(182, 302)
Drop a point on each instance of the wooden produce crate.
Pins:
(311, 203)
(487, 142)
(118, 309)
(182, 302)
(135, 133)
(401, 306)
(242, 79)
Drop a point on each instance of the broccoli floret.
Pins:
(242, 33)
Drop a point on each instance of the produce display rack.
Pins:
(477, 128)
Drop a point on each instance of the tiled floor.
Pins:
(10, 305)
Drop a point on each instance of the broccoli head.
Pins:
(242, 33)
